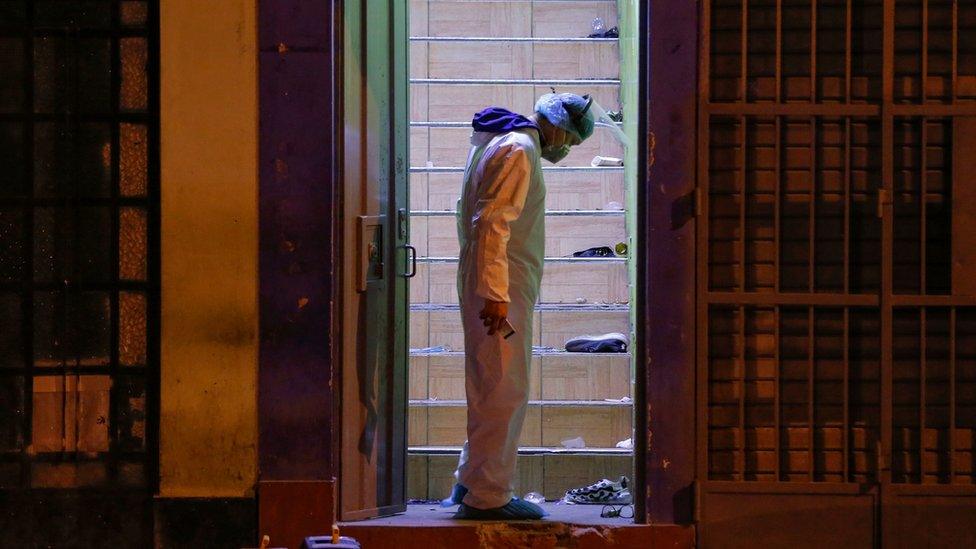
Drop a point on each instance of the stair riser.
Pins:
(564, 191)
(453, 103)
(551, 329)
(564, 235)
(432, 476)
(561, 61)
(449, 147)
(552, 377)
(562, 283)
(548, 426)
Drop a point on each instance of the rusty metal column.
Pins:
(667, 289)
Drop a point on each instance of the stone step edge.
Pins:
(543, 39)
(549, 259)
(557, 354)
(540, 307)
(430, 403)
(559, 213)
(524, 451)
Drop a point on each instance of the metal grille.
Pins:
(922, 205)
(79, 223)
(793, 393)
(935, 52)
(794, 197)
(934, 377)
(834, 300)
(792, 219)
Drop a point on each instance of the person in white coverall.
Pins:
(501, 228)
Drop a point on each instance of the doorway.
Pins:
(464, 56)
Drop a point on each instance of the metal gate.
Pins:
(837, 272)
(79, 270)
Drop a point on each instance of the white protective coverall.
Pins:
(501, 228)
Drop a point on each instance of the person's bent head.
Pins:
(566, 120)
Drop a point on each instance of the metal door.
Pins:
(836, 394)
(376, 260)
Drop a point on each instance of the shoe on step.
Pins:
(605, 343)
(605, 491)
(457, 494)
(598, 251)
(517, 509)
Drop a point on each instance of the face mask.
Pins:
(555, 154)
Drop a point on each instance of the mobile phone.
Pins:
(507, 330)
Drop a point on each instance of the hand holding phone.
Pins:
(495, 317)
(507, 330)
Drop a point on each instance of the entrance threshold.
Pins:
(426, 526)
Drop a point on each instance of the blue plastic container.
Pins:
(325, 542)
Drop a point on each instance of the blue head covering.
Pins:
(568, 112)
(499, 120)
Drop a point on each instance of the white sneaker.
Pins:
(605, 491)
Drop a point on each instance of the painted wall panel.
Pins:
(208, 423)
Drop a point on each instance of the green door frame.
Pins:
(373, 438)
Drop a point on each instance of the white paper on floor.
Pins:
(626, 444)
(534, 497)
(574, 443)
(606, 161)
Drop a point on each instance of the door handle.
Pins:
(412, 254)
(370, 250)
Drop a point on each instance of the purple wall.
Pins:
(667, 298)
(298, 196)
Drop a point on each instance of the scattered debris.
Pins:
(577, 442)
(534, 497)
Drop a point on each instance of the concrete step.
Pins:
(577, 526)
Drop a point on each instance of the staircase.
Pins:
(465, 56)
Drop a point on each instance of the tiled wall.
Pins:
(568, 393)
(552, 327)
(553, 377)
(431, 476)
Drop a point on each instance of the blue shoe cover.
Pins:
(517, 509)
(457, 494)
